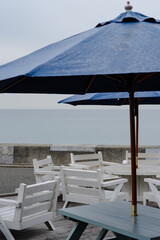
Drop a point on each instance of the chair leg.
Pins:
(144, 199)
(5, 230)
(65, 204)
(127, 197)
(50, 226)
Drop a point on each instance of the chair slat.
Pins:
(36, 209)
(80, 173)
(40, 187)
(82, 182)
(44, 196)
(44, 162)
(145, 155)
(83, 191)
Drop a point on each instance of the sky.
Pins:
(28, 25)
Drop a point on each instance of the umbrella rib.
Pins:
(113, 78)
(137, 75)
(123, 101)
(90, 83)
(140, 100)
(148, 75)
(123, 78)
(12, 84)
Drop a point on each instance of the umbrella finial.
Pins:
(128, 7)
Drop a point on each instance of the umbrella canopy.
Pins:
(121, 55)
(114, 56)
(117, 98)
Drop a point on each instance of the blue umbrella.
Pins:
(116, 98)
(121, 55)
(117, 55)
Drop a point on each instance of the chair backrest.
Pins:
(88, 187)
(82, 186)
(43, 165)
(92, 160)
(36, 200)
(145, 158)
(154, 193)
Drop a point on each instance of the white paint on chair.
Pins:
(88, 187)
(35, 204)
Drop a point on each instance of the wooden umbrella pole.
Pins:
(133, 154)
(137, 126)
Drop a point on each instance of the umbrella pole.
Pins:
(133, 155)
(137, 126)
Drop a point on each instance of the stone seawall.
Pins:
(16, 160)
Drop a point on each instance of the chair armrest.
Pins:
(79, 166)
(45, 172)
(113, 182)
(109, 177)
(56, 168)
(12, 194)
(109, 163)
(9, 202)
(153, 181)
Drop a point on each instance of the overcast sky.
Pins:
(27, 25)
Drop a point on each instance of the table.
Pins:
(116, 217)
(143, 171)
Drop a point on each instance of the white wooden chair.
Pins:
(88, 161)
(44, 169)
(154, 194)
(88, 187)
(35, 204)
(144, 158)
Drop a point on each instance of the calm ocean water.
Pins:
(102, 126)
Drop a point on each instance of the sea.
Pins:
(77, 126)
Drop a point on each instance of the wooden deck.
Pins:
(63, 227)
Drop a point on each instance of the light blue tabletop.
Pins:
(117, 217)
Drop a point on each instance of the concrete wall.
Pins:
(11, 177)
(16, 160)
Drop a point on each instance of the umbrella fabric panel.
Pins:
(27, 63)
(117, 48)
